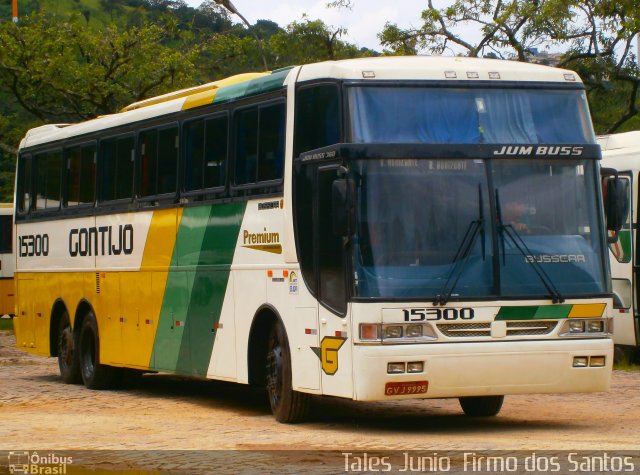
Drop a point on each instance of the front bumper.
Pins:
(484, 368)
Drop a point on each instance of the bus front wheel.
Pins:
(94, 374)
(287, 405)
(481, 406)
(68, 360)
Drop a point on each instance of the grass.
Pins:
(627, 360)
(6, 324)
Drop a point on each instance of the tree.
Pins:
(595, 35)
(308, 41)
(60, 71)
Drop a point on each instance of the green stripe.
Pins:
(196, 285)
(272, 82)
(534, 312)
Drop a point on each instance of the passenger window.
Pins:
(116, 163)
(205, 153)
(81, 180)
(260, 144)
(158, 161)
(6, 234)
(246, 146)
(48, 167)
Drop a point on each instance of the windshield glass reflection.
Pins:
(415, 215)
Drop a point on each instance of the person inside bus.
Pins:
(516, 214)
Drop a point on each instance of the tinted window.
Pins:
(81, 178)
(216, 141)
(260, 144)
(24, 183)
(116, 158)
(48, 167)
(317, 118)
(246, 146)
(158, 161)
(206, 153)
(6, 232)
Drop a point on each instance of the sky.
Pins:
(363, 22)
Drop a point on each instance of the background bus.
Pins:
(7, 260)
(373, 229)
(622, 153)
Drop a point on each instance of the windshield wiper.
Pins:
(519, 243)
(475, 228)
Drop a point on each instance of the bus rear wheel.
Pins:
(94, 374)
(481, 406)
(68, 360)
(287, 405)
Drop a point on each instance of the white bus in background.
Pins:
(7, 260)
(622, 153)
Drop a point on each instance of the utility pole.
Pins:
(14, 9)
(232, 9)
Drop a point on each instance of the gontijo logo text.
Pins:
(93, 241)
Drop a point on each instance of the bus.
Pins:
(621, 152)
(7, 260)
(370, 229)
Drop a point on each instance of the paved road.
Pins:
(39, 412)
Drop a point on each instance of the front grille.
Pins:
(533, 327)
(483, 329)
(465, 330)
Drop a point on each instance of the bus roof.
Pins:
(621, 151)
(438, 68)
(244, 85)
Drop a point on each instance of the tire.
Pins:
(68, 360)
(287, 405)
(94, 374)
(481, 406)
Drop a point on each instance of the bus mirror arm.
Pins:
(343, 194)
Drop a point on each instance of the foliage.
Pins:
(595, 35)
(308, 41)
(71, 60)
(59, 71)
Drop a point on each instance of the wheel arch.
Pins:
(265, 317)
(83, 308)
(57, 310)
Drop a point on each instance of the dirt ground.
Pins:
(162, 413)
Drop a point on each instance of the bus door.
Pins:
(623, 268)
(335, 331)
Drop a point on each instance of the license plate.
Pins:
(406, 388)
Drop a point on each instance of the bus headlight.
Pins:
(595, 326)
(414, 331)
(576, 326)
(394, 331)
(397, 333)
(587, 327)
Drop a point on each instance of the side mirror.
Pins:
(615, 194)
(343, 192)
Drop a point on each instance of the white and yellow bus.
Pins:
(621, 152)
(7, 260)
(372, 229)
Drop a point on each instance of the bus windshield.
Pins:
(418, 219)
(381, 114)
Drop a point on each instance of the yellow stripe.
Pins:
(587, 310)
(212, 86)
(200, 99)
(161, 239)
